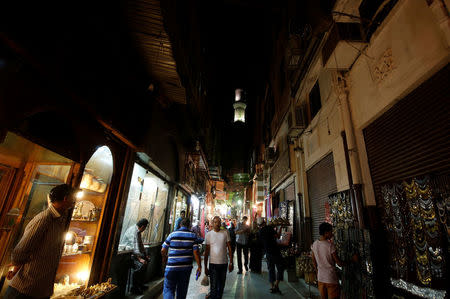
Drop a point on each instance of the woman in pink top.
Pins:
(324, 258)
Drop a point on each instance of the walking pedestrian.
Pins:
(268, 236)
(324, 259)
(196, 229)
(232, 232)
(242, 235)
(217, 245)
(35, 258)
(178, 251)
(139, 258)
(255, 247)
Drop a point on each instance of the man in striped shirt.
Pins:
(35, 258)
(182, 247)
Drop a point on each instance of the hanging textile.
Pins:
(415, 221)
(357, 278)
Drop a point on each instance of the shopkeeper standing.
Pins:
(133, 240)
(35, 258)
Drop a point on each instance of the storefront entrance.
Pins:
(409, 159)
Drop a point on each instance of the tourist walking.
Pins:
(268, 237)
(35, 258)
(217, 246)
(242, 235)
(324, 259)
(139, 258)
(178, 251)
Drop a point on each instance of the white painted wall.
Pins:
(419, 50)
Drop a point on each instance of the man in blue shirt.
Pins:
(178, 251)
(178, 221)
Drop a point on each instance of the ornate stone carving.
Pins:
(384, 66)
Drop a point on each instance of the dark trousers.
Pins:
(272, 262)
(242, 248)
(255, 258)
(12, 293)
(217, 277)
(137, 275)
(176, 281)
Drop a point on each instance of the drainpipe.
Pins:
(304, 210)
(350, 148)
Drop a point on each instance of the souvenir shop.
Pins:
(31, 165)
(409, 159)
(147, 197)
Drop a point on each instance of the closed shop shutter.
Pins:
(321, 183)
(413, 137)
(289, 192)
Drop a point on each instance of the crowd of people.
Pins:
(179, 250)
(222, 240)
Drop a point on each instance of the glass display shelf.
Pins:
(76, 253)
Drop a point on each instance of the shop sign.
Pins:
(241, 177)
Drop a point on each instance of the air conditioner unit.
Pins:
(296, 120)
(270, 155)
(343, 46)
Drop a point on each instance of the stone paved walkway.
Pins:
(251, 285)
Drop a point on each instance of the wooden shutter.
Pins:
(321, 183)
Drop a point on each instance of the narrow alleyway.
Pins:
(251, 285)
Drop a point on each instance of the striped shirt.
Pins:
(39, 251)
(181, 245)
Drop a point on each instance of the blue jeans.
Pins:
(176, 281)
(217, 276)
(272, 261)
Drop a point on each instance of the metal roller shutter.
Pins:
(289, 192)
(321, 183)
(413, 137)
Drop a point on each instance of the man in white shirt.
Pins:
(140, 259)
(324, 258)
(217, 243)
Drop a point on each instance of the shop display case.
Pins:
(147, 198)
(27, 174)
(80, 240)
